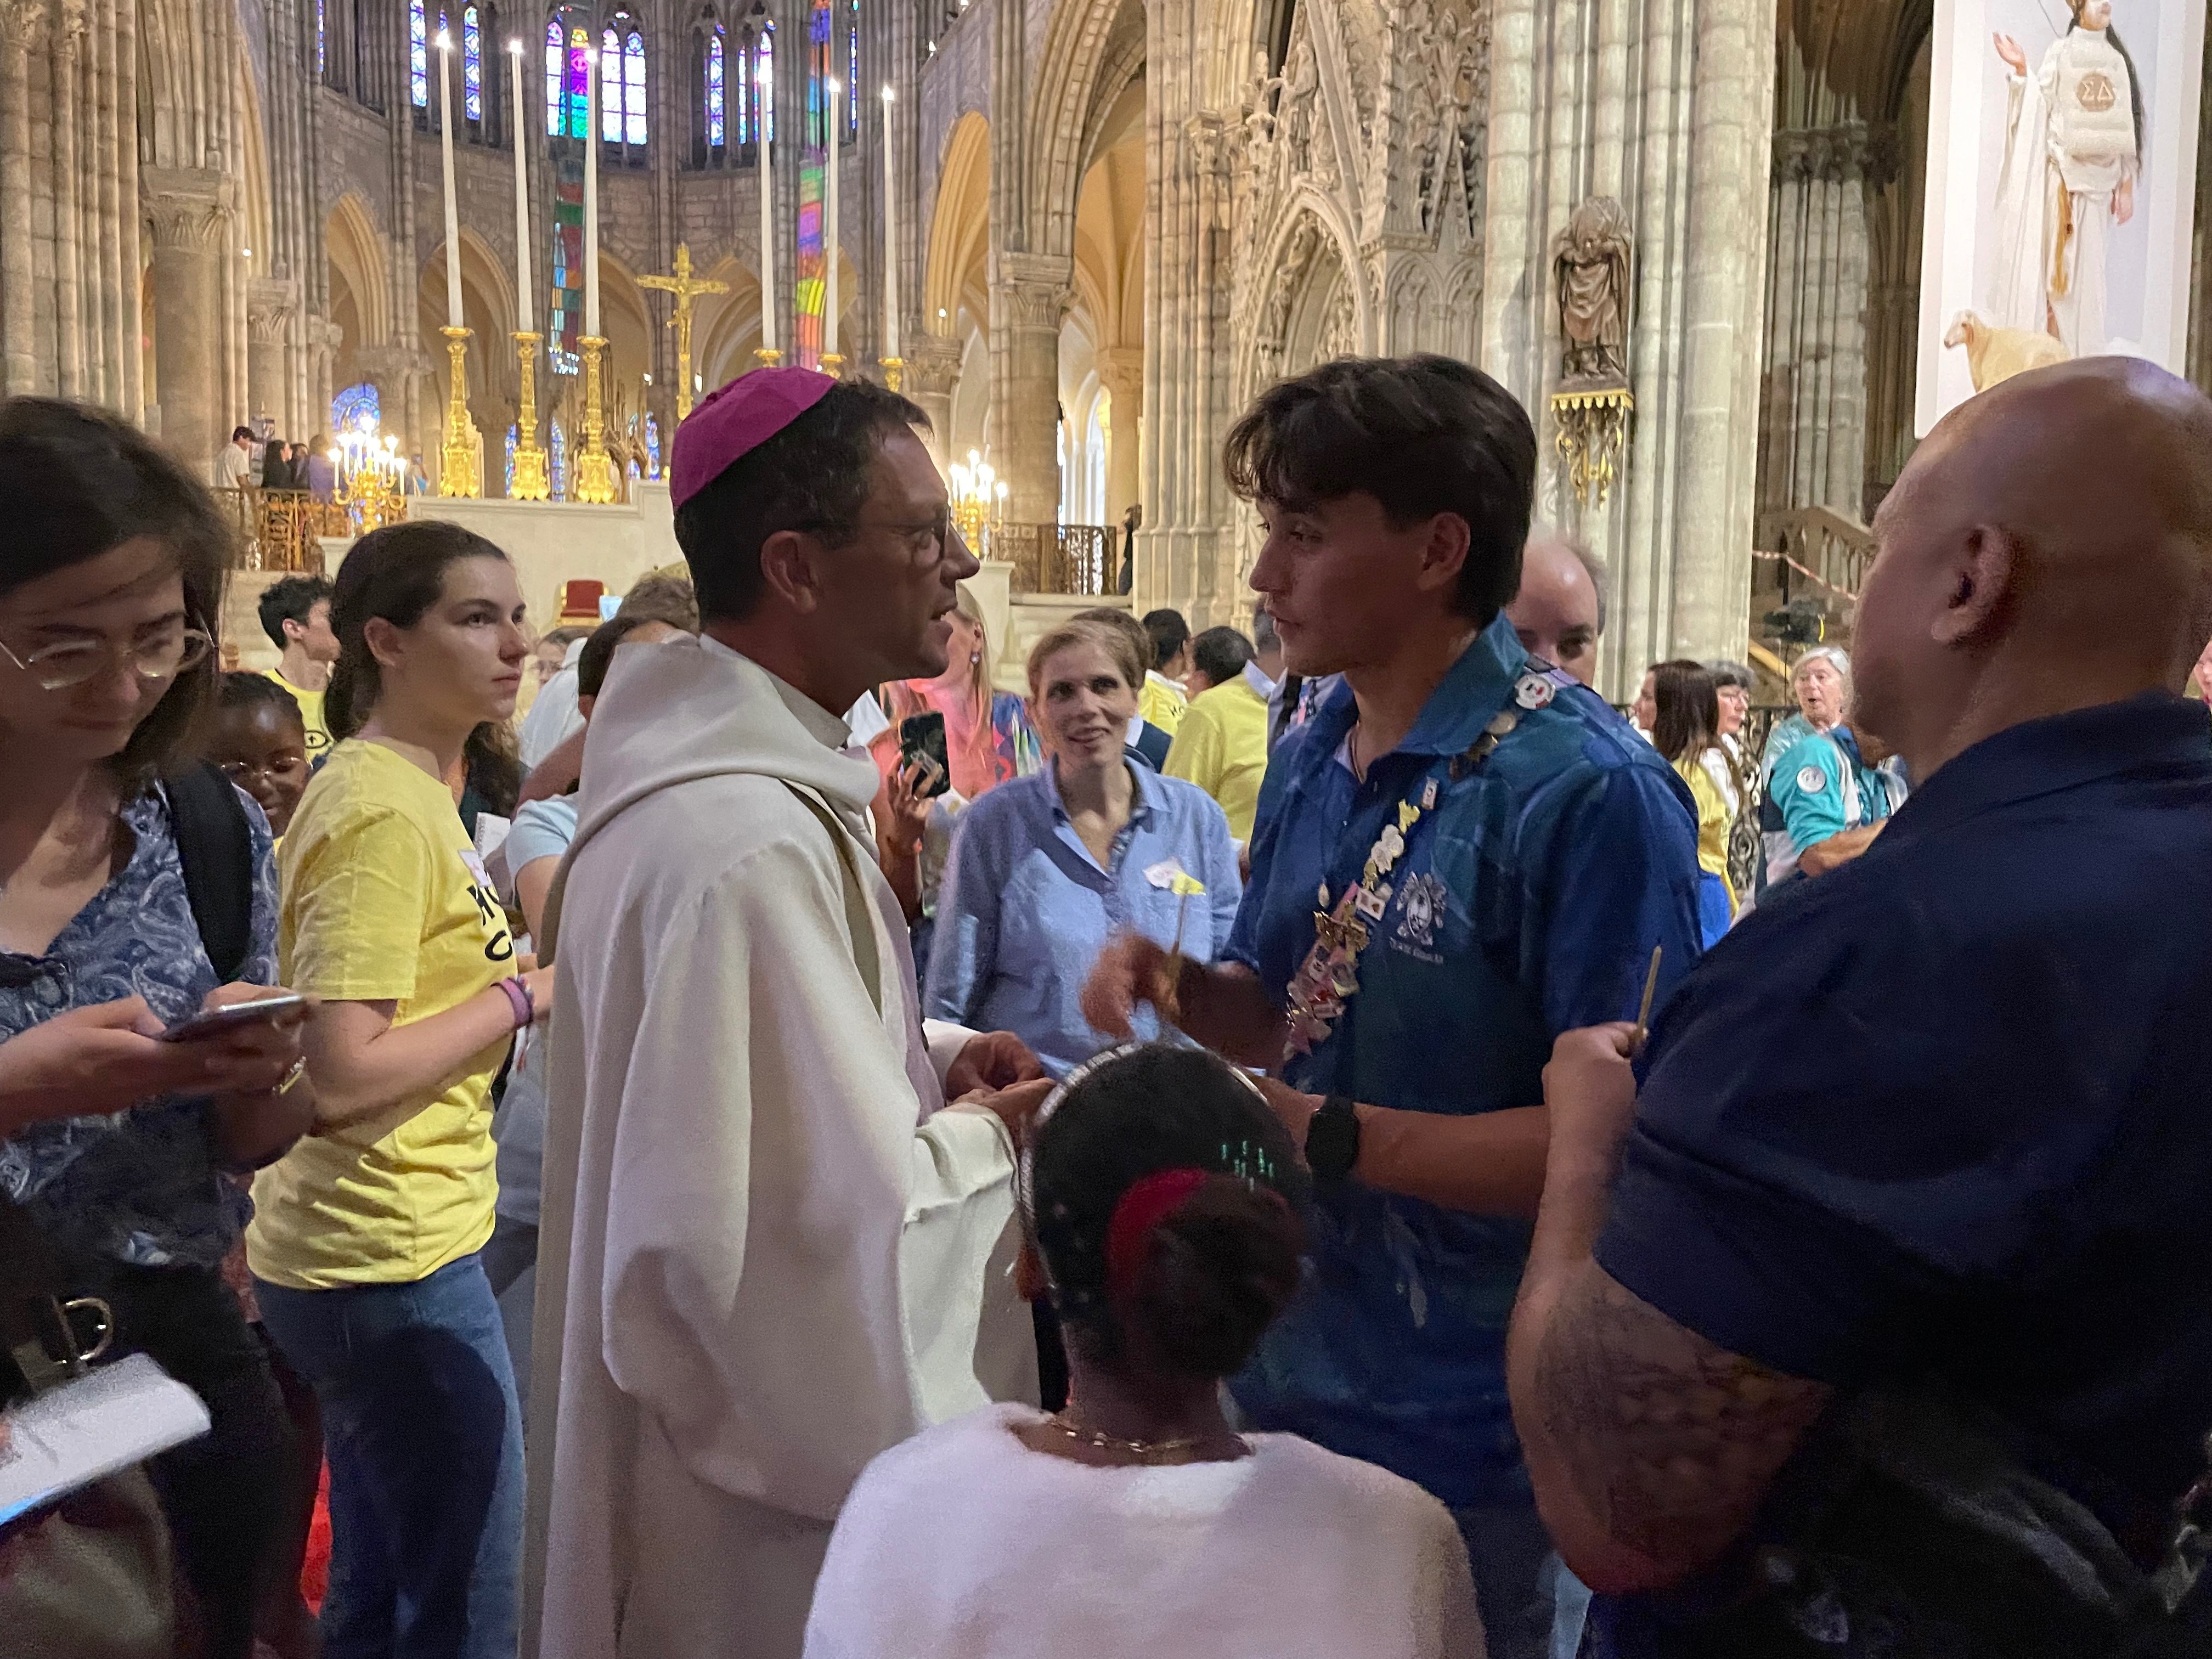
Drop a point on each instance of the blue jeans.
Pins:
(425, 1447)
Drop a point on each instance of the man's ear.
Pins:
(787, 569)
(1980, 577)
(1444, 555)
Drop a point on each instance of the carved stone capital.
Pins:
(270, 304)
(932, 365)
(23, 24)
(1036, 287)
(187, 207)
(1121, 371)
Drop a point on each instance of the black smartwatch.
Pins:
(1332, 1140)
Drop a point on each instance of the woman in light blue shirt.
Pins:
(1045, 869)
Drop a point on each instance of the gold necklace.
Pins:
(1148, 1450)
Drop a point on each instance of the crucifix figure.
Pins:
(683, 286)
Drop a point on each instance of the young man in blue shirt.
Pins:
(1925, 1143)
(1460, 854)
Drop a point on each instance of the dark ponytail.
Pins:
(1164, 1198)
(395, 573)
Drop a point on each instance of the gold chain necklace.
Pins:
(1148, 1450)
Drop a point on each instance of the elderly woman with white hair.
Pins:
(1825, 801)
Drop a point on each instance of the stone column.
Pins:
(1122, 370)
(22, 27)
(268, 308)
(1029, 292)
(1732, 124)
(68, 190)
(191, 223)
(932, 370)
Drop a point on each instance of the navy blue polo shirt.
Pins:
(1946, 1112)
(1527, 901)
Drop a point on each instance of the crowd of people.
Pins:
(1317, 1140)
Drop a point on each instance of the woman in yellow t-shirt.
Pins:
(364, 1244)
(1686, 724)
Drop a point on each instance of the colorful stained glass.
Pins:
(418, 55)
(716, 127)
(610, 86)
(568, 90)
(510, 460)
(566, 307)
(852, 73)
(652, 447)
(763, 82)
(352, 405)
(472, 66)
(633, 89)
(559, 445)
(553, 78)
(322, 48)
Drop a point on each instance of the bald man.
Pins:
(1914, 1197)
(1559, 613)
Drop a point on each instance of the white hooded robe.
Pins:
(765, 1256)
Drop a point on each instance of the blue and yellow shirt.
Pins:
(1527, 901)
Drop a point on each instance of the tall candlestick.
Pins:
(768, 350)
(831, 113)
(592, 191)
(453, 209)
(890, 240)
(526, 306)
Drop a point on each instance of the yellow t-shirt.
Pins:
(311, 712)
(1713, 822)
(1222, 747)
(384, 900)
(1162, 702)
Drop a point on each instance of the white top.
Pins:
(773, 1251)
(965, 1544)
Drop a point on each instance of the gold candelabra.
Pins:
(769, 355)
(533, 475)
(893, 368)
(595, 468)
(833, 364)
(460, 458)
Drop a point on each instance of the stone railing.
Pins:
(1820, 553)
(280, 529)
(1072, 559)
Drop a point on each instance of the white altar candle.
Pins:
(767, 244)
(526, 306)
(829, 219)
(453, 207)
(591, 193)
(890, 237)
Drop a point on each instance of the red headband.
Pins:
(1142, 1207)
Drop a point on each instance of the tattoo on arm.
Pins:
(1670, 1441)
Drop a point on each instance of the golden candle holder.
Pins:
(460, 458)
(533, 472)
(894, 368)
(832, 363)
(769, 355)
(595, 469)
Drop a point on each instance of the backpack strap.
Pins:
(217, 850)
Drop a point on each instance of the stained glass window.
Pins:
(322, 50)
(763, 86)
(471, 65)
(352, 405)
(715, 124)
(568, 90)
(560, 446)
(853, 71)
(418, 54)
(652, 447)
(510, 460)
(633, 83)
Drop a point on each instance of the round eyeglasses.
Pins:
(156, 657)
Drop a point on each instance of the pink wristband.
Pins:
(519, 998)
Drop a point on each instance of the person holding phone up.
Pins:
(113, 1143)
(950, 740)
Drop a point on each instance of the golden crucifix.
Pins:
(683, 286)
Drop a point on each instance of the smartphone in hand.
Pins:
(210, 1022)
(922, 744)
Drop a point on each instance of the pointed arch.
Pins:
(358, 262)
(959, 222)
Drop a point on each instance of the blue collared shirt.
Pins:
(1940, 1116)
(1527, 902)
(1025, 910)
(141, 1186)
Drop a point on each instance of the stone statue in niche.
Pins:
(1300, 99)
(1591, 265)
(1260, 107)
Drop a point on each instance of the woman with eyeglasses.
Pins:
(116, 1148)
(367, 1239)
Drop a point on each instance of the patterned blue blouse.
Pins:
(141, 1186)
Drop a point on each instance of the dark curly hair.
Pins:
(816, 475)
(1422, 435)
(80, 483)
(1213, 1273)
